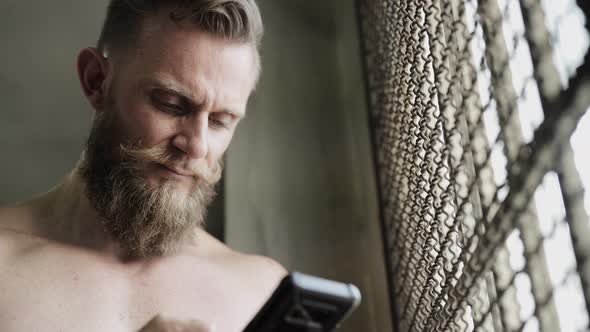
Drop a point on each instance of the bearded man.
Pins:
(119, 244)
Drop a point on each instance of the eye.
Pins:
(221, 120)
(169, 102)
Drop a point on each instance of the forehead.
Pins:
(195, 60)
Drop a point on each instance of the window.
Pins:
(474, 107)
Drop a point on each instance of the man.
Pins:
(119, 244)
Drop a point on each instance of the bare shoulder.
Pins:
(260, 268)
(252, 271)
(244, 263)
(15, 219)
(15, 232)
(258, 276)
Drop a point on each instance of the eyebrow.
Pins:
(171, 86)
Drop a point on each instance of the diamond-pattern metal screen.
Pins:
(472, 105)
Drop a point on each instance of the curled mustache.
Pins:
(161, 155)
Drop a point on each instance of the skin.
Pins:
(59, 271)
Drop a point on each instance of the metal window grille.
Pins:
(473, 105)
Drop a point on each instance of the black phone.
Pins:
(304, 303)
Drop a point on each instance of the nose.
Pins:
(193, 136)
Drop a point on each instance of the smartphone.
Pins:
(304, 303)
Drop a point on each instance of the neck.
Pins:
(65, 215)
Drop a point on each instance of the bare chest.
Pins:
(58, 292)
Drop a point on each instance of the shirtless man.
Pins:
(119, 244)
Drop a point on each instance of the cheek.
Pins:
(142, 123)
(218, 144)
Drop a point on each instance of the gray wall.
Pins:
(44, 119)
(300, 185)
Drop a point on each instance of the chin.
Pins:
(180, 187)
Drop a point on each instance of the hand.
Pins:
(161, 324)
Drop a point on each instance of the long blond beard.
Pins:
(145, 219)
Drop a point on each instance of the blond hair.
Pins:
(234, 20)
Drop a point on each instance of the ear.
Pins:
(92, 72)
